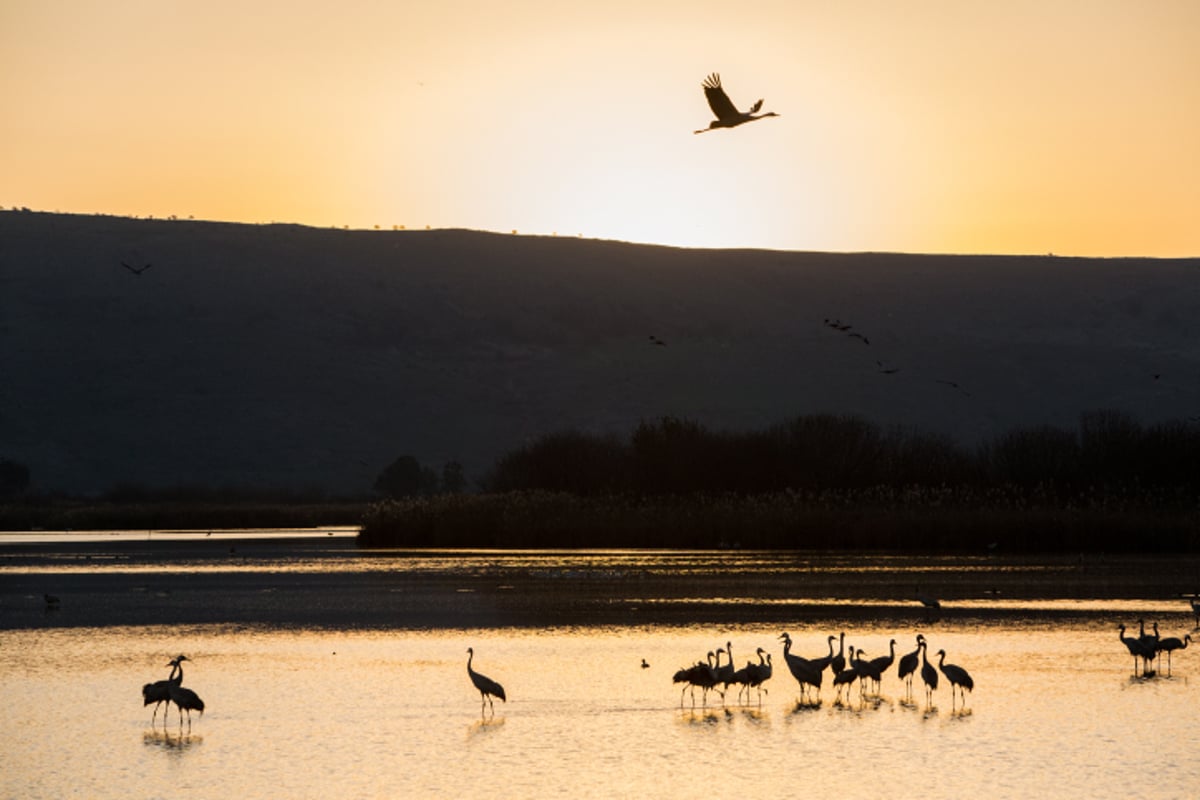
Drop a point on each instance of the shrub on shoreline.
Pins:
(881, 519)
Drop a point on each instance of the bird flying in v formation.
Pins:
(727, 115)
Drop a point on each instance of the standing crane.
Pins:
(1133, 645)
(839, 661)
(1170, 645)
(159, 692)
(803, 670)
(878, 666)
(908, 665)
(846, 678)
(487, 687)
(727, 115)
(928, 674)
(184, 698)
(957, 676)
(702, 674)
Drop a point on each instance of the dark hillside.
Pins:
(287, 356)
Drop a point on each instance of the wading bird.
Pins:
(801, 668)
(1170, 645)
(1133, 646)
(159, 692)
(957, 676)
(702, 674)
(846, 678)
(487, 687)
(183, 698)
(928, 674)
(930, 602)
(727, 116)
(908, 665)
(760, 673)
(878, 666)
(839, 661)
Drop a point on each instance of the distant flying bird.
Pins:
(727, 115)
(136, 270)
(886, 370)
(657, 341)
(954, 385)
(52, 601)
(487, 687)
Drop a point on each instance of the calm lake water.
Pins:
(379, 711)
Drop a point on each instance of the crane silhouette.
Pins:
(877, 666)
(930, 602)
(803, 670)
(487, 687)
(846, 677)
(159, 692)
(183, 698)
(1170, 645)
(702, 674)
(760, 673)
(1133, 645)
(839, 661)
(957, 676)
(1149, 648)
(727, 115)
(908, 665)
(136, 270)
(928, 674)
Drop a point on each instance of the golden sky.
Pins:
(1023, 126)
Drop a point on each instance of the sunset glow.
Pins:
(1022, 127)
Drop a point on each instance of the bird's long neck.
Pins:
(178, 679)
(842, 644)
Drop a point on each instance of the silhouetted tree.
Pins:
(1042, 455)
(569, 461)
(453, 479)
(404, 477)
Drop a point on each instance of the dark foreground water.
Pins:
(330, 672)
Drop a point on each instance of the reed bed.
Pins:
(917, 519)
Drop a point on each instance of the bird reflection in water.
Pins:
(173, 742)
(485, 725)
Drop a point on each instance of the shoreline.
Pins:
(331, 583)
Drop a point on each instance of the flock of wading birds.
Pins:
(711, 675)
